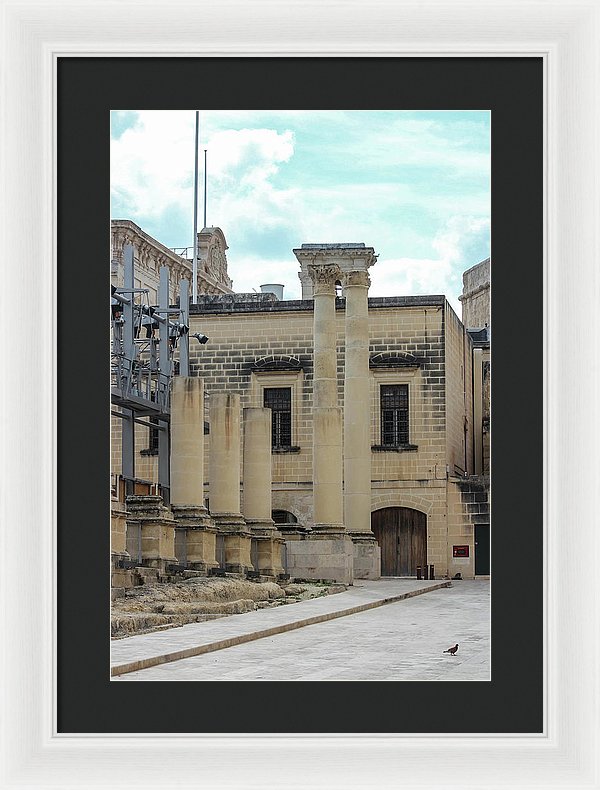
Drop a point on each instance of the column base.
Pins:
(267, 545)
(327, 531)
(157, 530)
(118, 529)
(118, 556)
(200, 536)
(322, 557)
(362, 537)
(233, 541)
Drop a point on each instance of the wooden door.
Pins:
(402, 535)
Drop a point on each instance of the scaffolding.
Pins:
(144, 339)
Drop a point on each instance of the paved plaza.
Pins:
(401, 640)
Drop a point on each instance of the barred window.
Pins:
(279, 400)
(153, 436)
(394, 414)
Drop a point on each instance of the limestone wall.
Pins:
(458, 394)
(146, 461)
(475, 298)
(414, 332)
(149, 255)
(486, 412)
(238, 339)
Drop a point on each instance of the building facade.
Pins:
(477, 318)
(371, 424)
(149, 256)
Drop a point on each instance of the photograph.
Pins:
(300, 395)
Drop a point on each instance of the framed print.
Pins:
(84, 96)
(53, 554)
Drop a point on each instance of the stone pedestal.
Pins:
(367, 557)
(118, 531)
(321, 558)
(235, 539)
(266, 541)
(224, 483)
(200, 540)
(157, 529)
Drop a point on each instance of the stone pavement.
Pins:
(147, 650)
(402, 640)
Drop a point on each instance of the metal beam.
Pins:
(140, 405)
(157, 426)
(128, 449)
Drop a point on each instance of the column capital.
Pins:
(324, 277)
(360, 278)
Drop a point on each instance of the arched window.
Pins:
(283, 517)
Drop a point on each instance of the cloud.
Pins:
(250, 272)
(460, 244)
(152, 167)
(414, 185)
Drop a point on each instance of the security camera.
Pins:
(200, 338)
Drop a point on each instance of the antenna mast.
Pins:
(195, 260)
(205, 187)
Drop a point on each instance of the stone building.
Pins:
(149, 256)
(477, 318)
(475, 298)
(369, 432)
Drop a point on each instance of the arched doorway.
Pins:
(402, 536)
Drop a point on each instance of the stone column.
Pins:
(357, 424)
(266, 540)
(224, 483)
(187, 473)
(327, 418)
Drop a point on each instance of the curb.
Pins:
(198, 650)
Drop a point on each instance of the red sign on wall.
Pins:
(460, 551)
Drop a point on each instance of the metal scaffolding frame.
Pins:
(142, 367)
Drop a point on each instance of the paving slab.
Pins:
(402, 641)
(135, 653)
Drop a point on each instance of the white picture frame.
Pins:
(566, 35)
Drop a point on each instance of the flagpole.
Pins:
(205, 187)
(195, 260)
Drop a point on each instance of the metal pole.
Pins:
(205, 187)
(195, 260)
(164, 367)
(128, 428)
(184, 340)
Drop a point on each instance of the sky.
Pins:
(415, 185)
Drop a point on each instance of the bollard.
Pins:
(431, 572)
(419, 572)
(425, 572)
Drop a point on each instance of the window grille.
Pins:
(394, 414)
(153, 436)
(279, 400)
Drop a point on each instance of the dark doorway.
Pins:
(482, 549)
(402, 535)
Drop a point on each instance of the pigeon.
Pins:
(452, 650)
